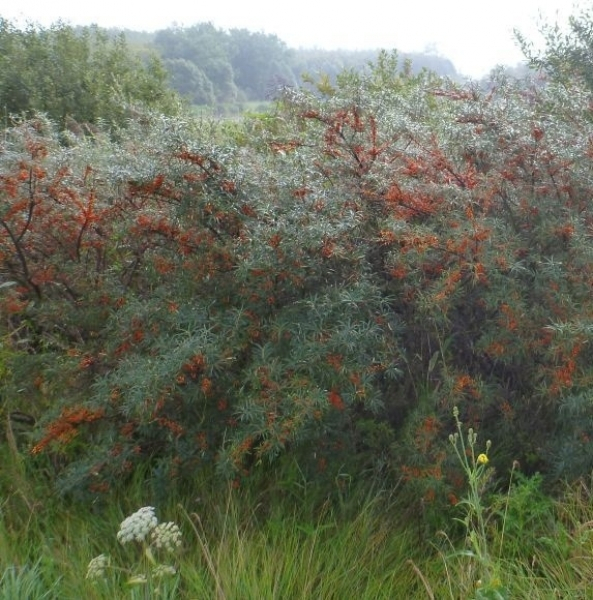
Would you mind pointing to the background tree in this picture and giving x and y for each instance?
(190, 81)
(260, 62)
(568, 50)
(84, 75)
(208, 49)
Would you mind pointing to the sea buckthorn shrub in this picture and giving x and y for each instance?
(187, 299)
(475, 203)
(322, 283)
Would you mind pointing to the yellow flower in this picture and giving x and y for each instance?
(482, 459)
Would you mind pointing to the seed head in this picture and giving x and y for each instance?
(97, 566)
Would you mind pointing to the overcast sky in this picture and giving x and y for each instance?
(475, 34)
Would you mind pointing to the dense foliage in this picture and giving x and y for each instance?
(76, 77)
(320, 284)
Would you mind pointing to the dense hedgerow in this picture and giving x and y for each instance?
(324, 283)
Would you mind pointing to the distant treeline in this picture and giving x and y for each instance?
(91, 75)
(208, 65)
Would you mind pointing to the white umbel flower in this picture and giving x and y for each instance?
(136, 527)
(166, 536)
(97, 566)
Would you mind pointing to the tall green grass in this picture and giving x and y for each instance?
(229, 552)
(291, 542)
